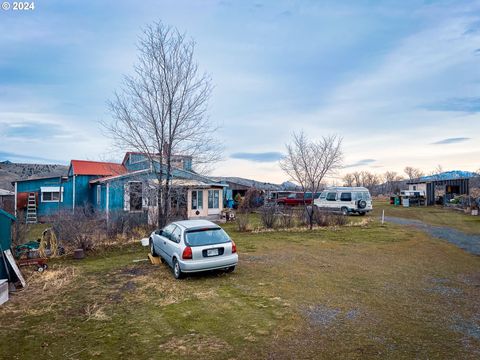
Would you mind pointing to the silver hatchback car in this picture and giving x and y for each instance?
(194, 245)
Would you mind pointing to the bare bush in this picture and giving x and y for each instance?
(325, 218)
(268, 215)
(287, 218)
(79, 230)
(127, 224)
(243, 221)
(19, 230)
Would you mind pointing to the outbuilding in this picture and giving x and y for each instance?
(6, 221)
(441, 188)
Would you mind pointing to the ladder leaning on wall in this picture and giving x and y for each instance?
(31, 209)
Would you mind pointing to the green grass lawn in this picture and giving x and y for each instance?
(357, 292)
(433, 215)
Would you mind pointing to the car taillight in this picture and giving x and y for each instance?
(234, 247)
(187, 253)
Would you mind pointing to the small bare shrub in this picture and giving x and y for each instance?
(321, 217)
(338, 220)
(128, 224)
(19, 230)
(287, 218)
(243, 221)
(268, 216)
(325, 218)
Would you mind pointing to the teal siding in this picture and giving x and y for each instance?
(6, 221)
(137, 162)
(47, 208)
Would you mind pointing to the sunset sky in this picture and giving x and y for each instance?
(399, 81)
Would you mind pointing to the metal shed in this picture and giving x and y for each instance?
(448, 184)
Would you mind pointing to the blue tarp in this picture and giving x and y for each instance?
(449, 175)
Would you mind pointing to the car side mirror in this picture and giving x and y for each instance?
(159, 232)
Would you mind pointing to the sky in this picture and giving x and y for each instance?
(399, 81)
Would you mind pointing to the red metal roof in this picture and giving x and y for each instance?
(84, 167)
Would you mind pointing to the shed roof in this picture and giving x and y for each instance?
(8, 215)
(447, 175)
(84, 167)
(4, 192)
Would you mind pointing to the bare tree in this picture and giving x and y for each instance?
(391, 181)
(413, 173)
(161, 109)
(308, 162)
(348, 179)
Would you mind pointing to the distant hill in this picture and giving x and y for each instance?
(10, 171)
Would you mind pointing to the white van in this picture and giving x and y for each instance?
(348, 200)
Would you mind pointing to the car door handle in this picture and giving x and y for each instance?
(164, 243)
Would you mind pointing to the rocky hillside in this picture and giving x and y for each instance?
(12, 171)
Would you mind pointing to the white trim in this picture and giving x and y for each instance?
(51, 189)
(99, 194)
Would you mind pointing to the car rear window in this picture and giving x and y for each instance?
(346, 196)
(363, 195)
(202, 237)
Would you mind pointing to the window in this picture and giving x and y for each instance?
(168, 231)
(99, 194)
(323, 196)
(176, 234)
(363, 195)
(414, 187)
(331, 196)
(197, 199)
(135, 196)
(346, 197)
(213, 199)
(204, 237)
(51, 194)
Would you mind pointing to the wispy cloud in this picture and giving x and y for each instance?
(5, 155)
(467, 104)
(258, 157)
(453, 140)
(362, 162)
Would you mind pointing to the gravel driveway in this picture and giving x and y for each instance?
(467, 242)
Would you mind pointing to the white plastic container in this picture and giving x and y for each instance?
(3, 291)
(145, 241)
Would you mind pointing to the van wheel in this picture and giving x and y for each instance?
(177, 272)
(230, 269)
(344, 211)
(362, 213)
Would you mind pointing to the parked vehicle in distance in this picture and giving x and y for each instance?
(297, 198)
(348, 200)
(194, 245)
(275, 196)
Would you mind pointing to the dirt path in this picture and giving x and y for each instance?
(467, 242)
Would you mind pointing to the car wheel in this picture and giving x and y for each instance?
(344, 211)
(177, 272)
(230, 269)
(152, 249)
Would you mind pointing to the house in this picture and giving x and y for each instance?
(7, 201)
(441, 188)
(112, 189)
